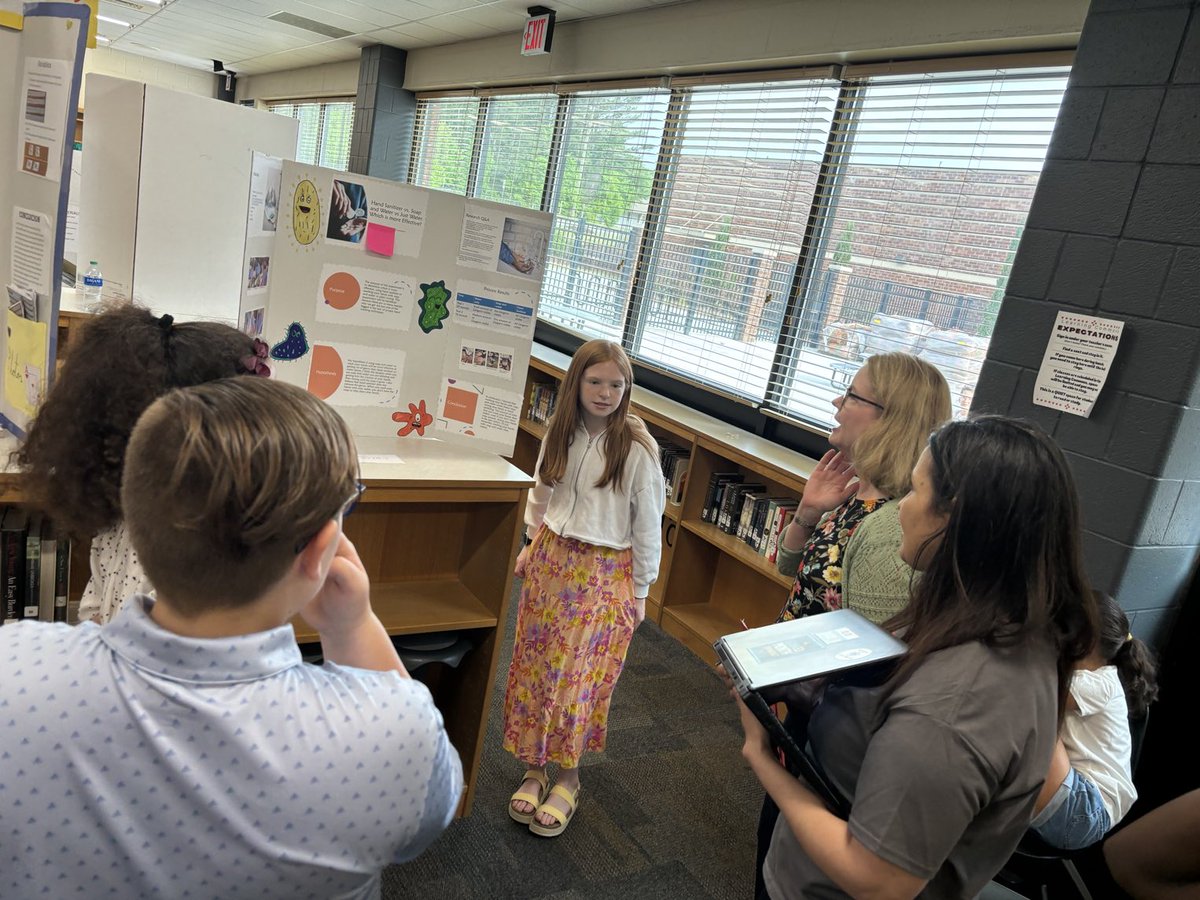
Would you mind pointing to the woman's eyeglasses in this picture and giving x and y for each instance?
(850, 395)
(343, 511)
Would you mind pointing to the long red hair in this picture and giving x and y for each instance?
(623, 428)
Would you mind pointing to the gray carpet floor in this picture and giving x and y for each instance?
(667, 811)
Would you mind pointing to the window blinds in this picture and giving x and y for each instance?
(515, 149)
(601, 190)
(326, 127)
(445, 142)
(740, 169)
(930, 181)
(763, 237)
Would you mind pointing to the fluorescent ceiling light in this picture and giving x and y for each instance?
(114, 21)
(101, 37)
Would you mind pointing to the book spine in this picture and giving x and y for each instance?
(754, 533)
(731, 494)
(679, 479)
(46, 578)
(12, 547)
(62, 578)
(33, 571)
(785, 517)
(710, 497)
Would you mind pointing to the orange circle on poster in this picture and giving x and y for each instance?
(324, 372)
(341, 290)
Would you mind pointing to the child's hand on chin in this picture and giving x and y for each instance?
(344, 600)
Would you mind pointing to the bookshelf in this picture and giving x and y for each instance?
(437, 533)
(710, 582)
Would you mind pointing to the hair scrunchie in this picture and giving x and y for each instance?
(165, 322)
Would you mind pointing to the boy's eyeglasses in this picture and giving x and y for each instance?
(351, 503)
(850, 395)
(343, 511)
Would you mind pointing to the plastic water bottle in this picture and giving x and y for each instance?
(93, 285)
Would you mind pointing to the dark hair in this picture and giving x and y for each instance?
(252, 469)
(1008, 566)
(117, 365)
(1135, 664)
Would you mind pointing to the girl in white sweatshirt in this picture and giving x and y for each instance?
(594, 522)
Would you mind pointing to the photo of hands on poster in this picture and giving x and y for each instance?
(522, 249)
(502, 243)
(347, 212)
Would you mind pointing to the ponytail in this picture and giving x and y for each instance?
(1138, 673)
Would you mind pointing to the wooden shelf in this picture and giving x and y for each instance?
(674, 511)
(418, 607)
(739, 550)
(697, 625)
(537, 429)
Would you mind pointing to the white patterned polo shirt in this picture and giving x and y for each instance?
(138, 763)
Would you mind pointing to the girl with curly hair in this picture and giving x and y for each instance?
(120, 362)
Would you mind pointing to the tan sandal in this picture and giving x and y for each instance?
(562, 818)
(534, 800)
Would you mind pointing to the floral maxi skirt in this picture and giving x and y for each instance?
(574, 624)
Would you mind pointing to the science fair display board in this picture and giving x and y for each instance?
(41, 65)
(411, 311)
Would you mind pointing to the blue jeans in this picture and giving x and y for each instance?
(1075, 817)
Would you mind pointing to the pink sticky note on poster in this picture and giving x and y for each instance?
(381, 239)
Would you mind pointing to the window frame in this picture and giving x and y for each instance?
(321, 102)
(760, 417)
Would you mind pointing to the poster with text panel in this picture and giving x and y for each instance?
(373, 295)
(43, 63)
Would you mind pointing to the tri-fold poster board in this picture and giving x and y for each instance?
(411, 311)
(41, 64)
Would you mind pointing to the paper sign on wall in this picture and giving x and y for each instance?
(1076, 363)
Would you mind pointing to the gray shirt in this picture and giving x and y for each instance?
(943, 773)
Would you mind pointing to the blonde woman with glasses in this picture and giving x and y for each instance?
(882, 423)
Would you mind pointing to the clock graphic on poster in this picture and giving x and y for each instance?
(306, 212)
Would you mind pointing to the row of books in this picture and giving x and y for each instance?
(541, 401)
(35, 567)
(747, 511)
(675, 461)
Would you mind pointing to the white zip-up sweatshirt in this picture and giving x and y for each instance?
(630, 516)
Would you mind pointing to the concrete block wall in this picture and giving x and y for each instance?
(1114, 231)
(384, 115)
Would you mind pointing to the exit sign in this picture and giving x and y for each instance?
(539, 31)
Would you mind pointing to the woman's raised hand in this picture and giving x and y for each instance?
(831, 484)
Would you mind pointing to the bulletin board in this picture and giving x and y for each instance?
(411, 311)
(37, 127)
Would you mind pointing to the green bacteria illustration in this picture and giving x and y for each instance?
(435, 305)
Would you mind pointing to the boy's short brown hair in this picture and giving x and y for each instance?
(222, 483)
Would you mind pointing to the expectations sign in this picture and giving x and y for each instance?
(1076, 363)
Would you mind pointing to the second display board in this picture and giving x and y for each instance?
(409, 310)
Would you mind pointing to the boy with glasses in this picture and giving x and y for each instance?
(206, 759)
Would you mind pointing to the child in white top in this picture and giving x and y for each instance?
(121, 361)
(595, 517)
(1089, 788)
